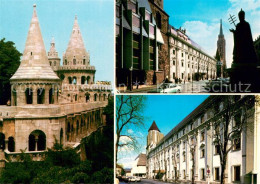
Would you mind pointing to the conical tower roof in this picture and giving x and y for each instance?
(76, 48)
(154, 127)
(34, 64)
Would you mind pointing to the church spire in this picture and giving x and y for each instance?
(76, 52)
(221, 30)
(34, 64)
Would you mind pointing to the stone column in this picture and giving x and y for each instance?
(46, 95)
(35, 96)
(55, 94)
(6, 144)
(36, 143)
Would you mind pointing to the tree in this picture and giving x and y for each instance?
(9, 63)
(192, 142)
(230, 120)
(129, 112)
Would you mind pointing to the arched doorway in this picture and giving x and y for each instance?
(2, 141)
(29, 96)
(70, 80)
(11, 144)
(37, 141)
(83, 79)
(40, 96)
(51, 96)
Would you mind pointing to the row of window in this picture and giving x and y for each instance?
(74, 61)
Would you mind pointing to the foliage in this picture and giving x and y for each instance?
(159, 175)
(129, 112)
(9, 63)
(109, 111)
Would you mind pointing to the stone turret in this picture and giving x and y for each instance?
(76, 67)
(33, 82)
(154, 136)
(76, 53)
(53, 56)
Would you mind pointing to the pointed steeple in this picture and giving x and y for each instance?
(34, 64)
(221, 30)
(76, 49)
(53, 53)
(154, 127)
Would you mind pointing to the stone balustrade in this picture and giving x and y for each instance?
(16, 156)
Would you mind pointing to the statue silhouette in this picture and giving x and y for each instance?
(244, 51)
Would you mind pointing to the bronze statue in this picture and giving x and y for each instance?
(244, 51)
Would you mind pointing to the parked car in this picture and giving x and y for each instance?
(134, 178)
(169, 88)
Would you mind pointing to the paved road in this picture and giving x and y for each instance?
(146, 181)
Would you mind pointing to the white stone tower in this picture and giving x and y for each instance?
(34, 81)
(154, 136)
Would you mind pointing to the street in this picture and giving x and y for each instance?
(146, 181)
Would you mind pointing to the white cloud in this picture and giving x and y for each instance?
(206, 33)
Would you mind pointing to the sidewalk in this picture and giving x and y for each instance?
(141, 88)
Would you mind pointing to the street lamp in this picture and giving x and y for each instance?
(131, 78)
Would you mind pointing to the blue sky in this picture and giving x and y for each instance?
(167, 111)
(56, 18)
(201, 20)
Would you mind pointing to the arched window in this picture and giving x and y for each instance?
(29, 95)
(74, 61)
(68, 131)
(70, 80)
(2, 141)
(11, 144)
(104, 97)
(54, 63)
(37, 141)
(40, 96)
(74, 80)
(158, 20)
(83, 79)
(76, 97)
(84, 61)
(51, 96)
(87, 97)
(62, 77)
(50, 62)
(99, 99)
(66, 62)
(95, 97)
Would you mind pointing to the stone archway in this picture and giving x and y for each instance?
(37, 141)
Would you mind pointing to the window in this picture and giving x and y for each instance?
(191, 126)
(237, 144)
(236, 174)
(173, 62)
(173, 51)
(202, 153)
(182, 54)
(84, 61)
(66, 62)
(202, 136)
(182, 63)
(216, 174)
(29, 95)
(40, 96)
(74, 61)
(202, 174)
(184, 156)
(217, 149)
(184, 174)
(173, 75)
(158, 20)
(183, 132)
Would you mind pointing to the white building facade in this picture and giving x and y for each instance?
(172, 155)
(187, 60)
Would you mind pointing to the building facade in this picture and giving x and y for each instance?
(137, 41)
(187, 60)
(46, 108)
(172, 154)
(139, 166)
